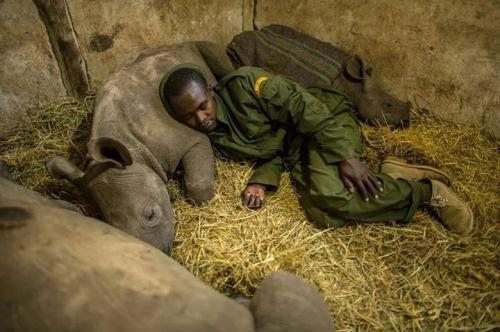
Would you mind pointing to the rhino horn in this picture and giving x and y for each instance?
(108, 150)
(61, 168)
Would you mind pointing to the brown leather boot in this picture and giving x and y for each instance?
(454, 213)
(400, 169)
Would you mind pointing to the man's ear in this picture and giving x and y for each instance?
(108, 150)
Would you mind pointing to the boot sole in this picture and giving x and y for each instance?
(403, 163)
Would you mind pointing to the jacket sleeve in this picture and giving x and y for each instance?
(289, 103)
(268, 173)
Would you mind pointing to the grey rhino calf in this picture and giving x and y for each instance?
(312, 63)
(135, 146)
(62, 271)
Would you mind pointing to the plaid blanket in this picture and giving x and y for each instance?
(311, 63)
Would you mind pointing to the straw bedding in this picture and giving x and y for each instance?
(384, 277)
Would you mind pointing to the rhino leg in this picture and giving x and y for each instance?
(285, 302)
(61, 168)
(199, 172)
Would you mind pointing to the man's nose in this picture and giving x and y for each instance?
(200, 117)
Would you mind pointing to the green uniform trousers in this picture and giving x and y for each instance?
(327, 201)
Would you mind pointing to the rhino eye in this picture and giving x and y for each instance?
(387, 105)
(151, 216)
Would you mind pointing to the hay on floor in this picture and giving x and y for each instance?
(60, 128)
(383, 277)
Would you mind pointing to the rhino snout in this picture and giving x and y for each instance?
(136, 201)
(397, 105)
(395, 113)
(156, 226)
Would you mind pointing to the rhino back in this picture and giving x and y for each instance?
(10, 190)
(61, 271)
(128, 106)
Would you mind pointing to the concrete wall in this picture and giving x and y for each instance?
(109, 33)
(112, 33)
(29, 73)
(444, 55)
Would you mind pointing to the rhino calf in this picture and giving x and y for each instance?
(130, 197)
(135, 146)
(62, 271)
(312, 63)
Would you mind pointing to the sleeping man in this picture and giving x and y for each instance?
(257, 116)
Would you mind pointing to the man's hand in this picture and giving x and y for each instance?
(356, 175)
(254, 196)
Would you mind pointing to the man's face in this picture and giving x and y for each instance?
(195, 107)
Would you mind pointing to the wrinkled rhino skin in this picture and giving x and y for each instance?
(62, 271)
(135, 146)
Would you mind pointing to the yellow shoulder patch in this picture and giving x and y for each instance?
(258, 84)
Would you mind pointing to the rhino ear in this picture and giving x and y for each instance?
(13, 216)
(61, 168)
(354, 69)
(108, 150)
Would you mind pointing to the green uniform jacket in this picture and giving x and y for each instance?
(269, 118)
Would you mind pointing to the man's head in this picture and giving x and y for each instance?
(186, 95)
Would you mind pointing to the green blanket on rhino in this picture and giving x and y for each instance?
(313, 63)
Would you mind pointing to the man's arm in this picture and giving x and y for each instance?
(265, 178)
(268, 173)
(281, 100)
(287, 102)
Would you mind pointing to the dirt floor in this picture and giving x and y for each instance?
(383, 277)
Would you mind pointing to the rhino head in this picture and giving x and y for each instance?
(129, 193)
(368, 97)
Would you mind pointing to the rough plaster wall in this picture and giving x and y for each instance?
(28, 70)
(445, 55)
(112, 33)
